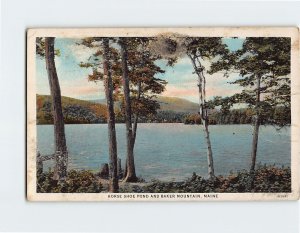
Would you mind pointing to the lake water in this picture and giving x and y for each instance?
(171, 151)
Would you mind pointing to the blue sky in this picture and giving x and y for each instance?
(181, 80)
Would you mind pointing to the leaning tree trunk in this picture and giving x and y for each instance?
(203, 112)
(255, 130)
(61, 158)
(108, 84)
(130, 167)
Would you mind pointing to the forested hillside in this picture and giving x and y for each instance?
(172, 110)
(75, 111)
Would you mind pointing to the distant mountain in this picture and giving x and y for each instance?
(75, 111)
(173, 110)
(78, 111)
(174, 104)
(177, 104)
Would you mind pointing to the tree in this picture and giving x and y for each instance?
(105, 73)
(108, 84)
(134, 65)
(196, 49)
(143, 85)
(45, 48)
(130, 167)
(263, 65)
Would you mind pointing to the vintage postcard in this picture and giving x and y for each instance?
(163, 114)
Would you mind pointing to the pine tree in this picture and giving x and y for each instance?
(263, 65)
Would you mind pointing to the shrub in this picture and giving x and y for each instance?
(268, 179)
(76, 182)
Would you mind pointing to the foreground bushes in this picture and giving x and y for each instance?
(267, 179)
(76, 182)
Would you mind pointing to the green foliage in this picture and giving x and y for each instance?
(76, 182)
(142, 71)
(166, 117)
(192, 119)
(268, 179)
(235, 116)
(144, 86)
(242, 116)
(206, 47)
(263, 65)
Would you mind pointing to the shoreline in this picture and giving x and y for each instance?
(267, 179)
(119, 123)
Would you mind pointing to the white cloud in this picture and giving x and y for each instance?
(84, 90)
(216, 85)
(81, 52)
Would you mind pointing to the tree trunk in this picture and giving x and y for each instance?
(130, 169)
(108, 84)
(104, 171)
(135, 123)
(120, 170)
(204, 120)
(39, 164)
(254, 144)
(210, 162)
(136, 115)
(204, 114)
(256, 129)
(61, 159)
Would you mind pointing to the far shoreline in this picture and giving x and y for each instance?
(119, 123)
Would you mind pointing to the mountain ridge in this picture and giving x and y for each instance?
(167, 103)
(77, 111)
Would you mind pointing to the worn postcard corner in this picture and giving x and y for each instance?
(163, 114)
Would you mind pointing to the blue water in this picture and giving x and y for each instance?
(171, 151)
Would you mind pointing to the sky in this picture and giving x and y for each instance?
(182, 82)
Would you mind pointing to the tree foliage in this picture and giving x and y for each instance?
(266, 58)
(144, 83)
(40, 47)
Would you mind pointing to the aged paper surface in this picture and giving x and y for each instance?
(214, 114)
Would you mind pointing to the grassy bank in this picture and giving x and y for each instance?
(267, 179)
